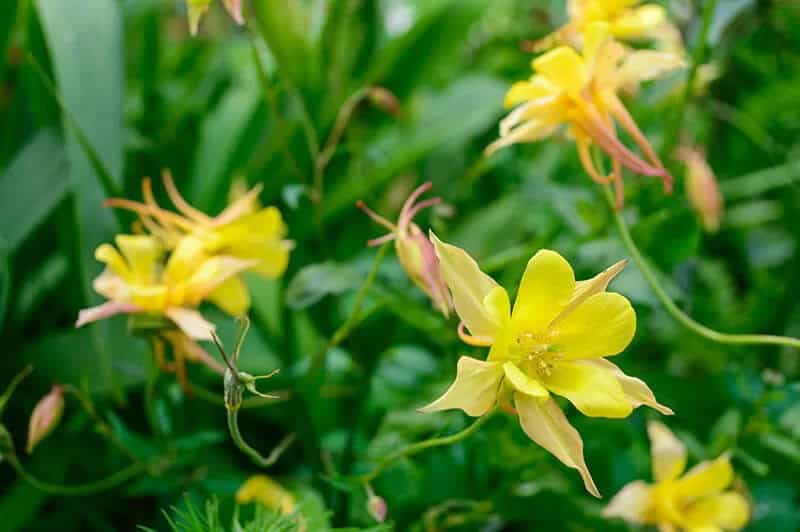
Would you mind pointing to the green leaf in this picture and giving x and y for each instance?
(37, 180)
(316, 281)
(85, 43)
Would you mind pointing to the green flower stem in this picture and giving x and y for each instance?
(233, 428)
(672, 308)
(355, 317)
(698, 56)
(415, 448)
(101, 485)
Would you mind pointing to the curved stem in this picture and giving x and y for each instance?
(233, 428)
(415, 448)
(104, 484)
(670, 305)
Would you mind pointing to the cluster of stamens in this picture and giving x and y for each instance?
(534, 352)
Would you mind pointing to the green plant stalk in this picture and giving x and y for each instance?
(261, 461)
(670, 306)
(105, 484)
(698, 56)
(415, 448)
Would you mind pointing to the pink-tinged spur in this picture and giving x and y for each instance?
(198, 8)
(554, 341)
(580, 91)
(696, 501)
(414, 251)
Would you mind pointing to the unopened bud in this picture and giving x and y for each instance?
(384, 100)
(702, 190)
(376, 506)
(45, 417)
(196, 8)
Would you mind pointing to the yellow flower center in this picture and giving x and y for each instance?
(534, 352)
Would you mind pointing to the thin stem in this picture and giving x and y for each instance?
(415, 448)
(698, 56)
(105, 484)
(339, 126)
(233, 428)
(346, 328)
(670, 305)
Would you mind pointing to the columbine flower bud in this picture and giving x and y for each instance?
(376, 505)
(45, 417)
(384, 100)
(414, 251)
(702, 190)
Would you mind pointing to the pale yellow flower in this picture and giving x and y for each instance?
(265, 491)
(553, 342)
(136, 280)
(628, 20)
(697, 501)
(242, 230)
(580, 91)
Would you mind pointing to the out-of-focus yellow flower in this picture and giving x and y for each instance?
(581, 91)
(702, 190)
(198, 8)
(136, 281)
(267, 492)
(414, 250)
(243, 230)
(553, 342)
(696, 501)
(628, 20)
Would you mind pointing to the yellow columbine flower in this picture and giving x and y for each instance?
(414, 251)
(136, 281)
(268, 493)
(627, 20)
(198, 8)
(696, 501)
(553, 342)
(581, 91)
(242, 230)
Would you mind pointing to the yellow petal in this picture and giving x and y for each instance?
(151, 298)
(545, 423)
(603, 325)
(639, 22)
(593, 390)
(636, 390)
(111, 286)
(108, 254)
(594, 37)
(469, 287)
(522, 91)
(631, 503)
(272, 257)
(595, 285)
(523, 383)
(729, 511)
(707, 478)
(264, 225)
(197, 8)
(563, 67)
(231, 296)
(668, 452)
(211, 274)
(186, 258)
(530, 131)
(646, 65)
(141, 253)
(545, 290)
(264, 490)
(474, 390)
(191, 322)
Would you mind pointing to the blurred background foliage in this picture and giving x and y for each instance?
(133, 93)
